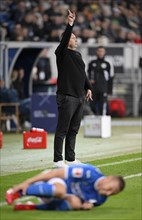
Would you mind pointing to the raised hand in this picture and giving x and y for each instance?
(71, 17)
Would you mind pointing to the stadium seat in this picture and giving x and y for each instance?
(9, 111)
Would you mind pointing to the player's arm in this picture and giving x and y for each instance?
(67, 34)
(40, 177)
(87, 205)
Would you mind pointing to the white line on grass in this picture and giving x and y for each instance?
(23, 199)
(119, 162)
(134, 175)
(27, 197)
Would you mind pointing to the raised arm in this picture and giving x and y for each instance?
(66, 35)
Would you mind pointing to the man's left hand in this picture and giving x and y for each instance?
(89, 95)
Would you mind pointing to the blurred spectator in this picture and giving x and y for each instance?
(3, 33)
(114, 28)
(18, 83)
(18, 11)
(8, 96)
(121, 36)
(44, 20)
(42, 70)
(25, 103)
(19, 33)
(87, 34)
(31, 22)
(103, 40)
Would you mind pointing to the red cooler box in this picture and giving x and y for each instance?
(35, 139)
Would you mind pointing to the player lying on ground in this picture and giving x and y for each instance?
(89, 186)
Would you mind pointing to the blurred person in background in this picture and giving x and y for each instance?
(18, 11)
(101, 74)
(8, 95)
(18, 83)
(25, 103)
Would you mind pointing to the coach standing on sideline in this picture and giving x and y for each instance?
(101, 73)
(72, 87)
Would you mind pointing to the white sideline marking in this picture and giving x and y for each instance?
(101, 165)
(119, 162)
(20, 199)
(134, 175)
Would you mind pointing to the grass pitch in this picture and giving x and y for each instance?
(124, 206)
(118, 155)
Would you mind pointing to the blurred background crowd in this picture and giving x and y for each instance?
(97, 21)
(101, 22)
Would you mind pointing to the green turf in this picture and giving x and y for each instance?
(124, 206)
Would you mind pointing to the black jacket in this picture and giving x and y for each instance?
(102, 73)
(72, 79)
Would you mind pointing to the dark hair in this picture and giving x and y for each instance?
(100, 47)
(122, 183)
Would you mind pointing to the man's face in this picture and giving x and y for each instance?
(109, 186)
(73, 42)
(100, 52)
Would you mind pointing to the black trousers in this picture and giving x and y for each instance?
(99, 105)
(70, 110)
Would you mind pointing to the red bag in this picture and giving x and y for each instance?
(117, 108)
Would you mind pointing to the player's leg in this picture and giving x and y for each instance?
(46, 189)
(28, 206)
(53, 188)
(71, 202)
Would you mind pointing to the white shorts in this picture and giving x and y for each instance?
(52, 181)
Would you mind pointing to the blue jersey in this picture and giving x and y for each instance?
(81, 181)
